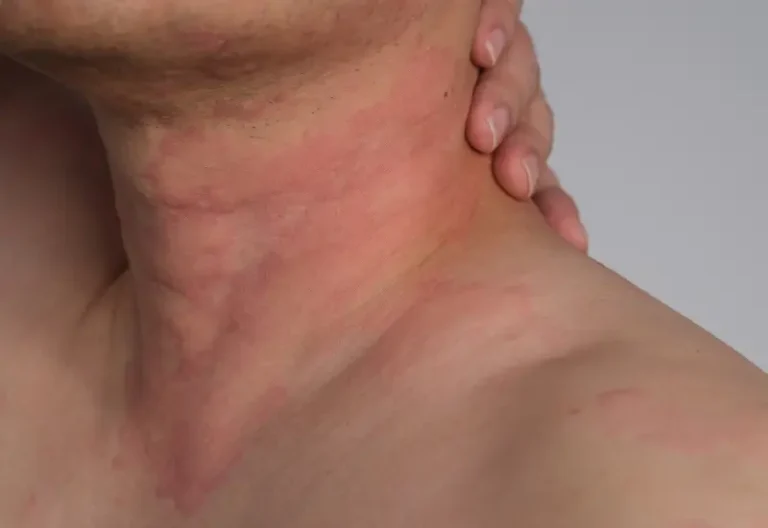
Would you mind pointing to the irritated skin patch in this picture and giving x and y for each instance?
(221, 163)
(351, 198)
(191, 453)
(660, 422)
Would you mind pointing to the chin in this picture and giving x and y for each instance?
(152, 29)
(135, 51)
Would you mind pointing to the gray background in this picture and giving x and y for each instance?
(662, 113)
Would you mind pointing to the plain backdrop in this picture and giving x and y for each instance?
(662, 114)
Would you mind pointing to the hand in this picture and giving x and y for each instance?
(511, 119)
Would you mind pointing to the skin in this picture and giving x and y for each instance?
(72, 166)
(331, 316)
(508, 87)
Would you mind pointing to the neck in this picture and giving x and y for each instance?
(254, 224)
(266, 233)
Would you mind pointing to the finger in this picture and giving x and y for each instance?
(521, 170)
(521, 159)
(503, 94)
(498, 19)
(560, 211)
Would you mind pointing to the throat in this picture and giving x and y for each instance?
(267, 252)
(249, 230)
(271, 239)
(277, 219)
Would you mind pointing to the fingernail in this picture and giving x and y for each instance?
(495, 44)
(498, 123)
(531, 167)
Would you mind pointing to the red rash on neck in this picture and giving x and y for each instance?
(247, 230)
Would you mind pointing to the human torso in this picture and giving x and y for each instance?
(559, 398)
(483, 405)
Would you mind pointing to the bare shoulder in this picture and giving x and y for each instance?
(624, 436)
(591, 404)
